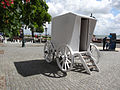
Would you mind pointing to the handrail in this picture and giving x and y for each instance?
(98, 52)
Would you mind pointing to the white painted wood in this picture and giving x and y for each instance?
(92, 24)
(83, 61)
(62, 29)
(75, 40)
(65, 58)
(49, 52)
(72, 33)
(66, 30)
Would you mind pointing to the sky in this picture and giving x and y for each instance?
(107, 13)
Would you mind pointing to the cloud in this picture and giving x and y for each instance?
(116, 4)
(101, 9)
(117, 18)
(78, 6)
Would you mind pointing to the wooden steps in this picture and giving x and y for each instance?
(88, 63)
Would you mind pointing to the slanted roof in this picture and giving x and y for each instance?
(83, 16)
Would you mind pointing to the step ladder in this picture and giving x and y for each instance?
(87, 61)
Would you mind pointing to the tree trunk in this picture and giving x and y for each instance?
(32, 33)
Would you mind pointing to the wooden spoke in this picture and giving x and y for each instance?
(48, 52)
(68, 65)
(64, 59)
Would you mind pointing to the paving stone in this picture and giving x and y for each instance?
(26, 69)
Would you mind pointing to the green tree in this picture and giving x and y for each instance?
(32, 13)
(9, 17)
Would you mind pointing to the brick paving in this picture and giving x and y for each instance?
(26, 69)
(2, 83)
(1, 45)
(1, 51)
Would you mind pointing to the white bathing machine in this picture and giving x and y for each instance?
(71, 35)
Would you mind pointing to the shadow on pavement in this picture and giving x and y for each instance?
(35, 67)
(78, 67)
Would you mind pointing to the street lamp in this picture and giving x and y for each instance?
(46, 26)
(45, 34)
(23, 39)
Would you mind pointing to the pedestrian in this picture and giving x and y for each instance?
(104, 42)
(110, 44)
(35, 36)
(107, 45)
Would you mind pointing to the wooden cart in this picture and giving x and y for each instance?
(70, 39)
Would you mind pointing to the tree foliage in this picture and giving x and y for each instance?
(15, 13)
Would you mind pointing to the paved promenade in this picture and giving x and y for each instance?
(26, 69)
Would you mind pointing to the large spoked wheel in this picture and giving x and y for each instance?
(95, 52)
(65, 58)
(48, 52)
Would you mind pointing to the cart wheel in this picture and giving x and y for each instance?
(64, 58)
(48, 52)
(95, 52)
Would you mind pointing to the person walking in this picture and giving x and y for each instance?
(104, 42)
(107, 45)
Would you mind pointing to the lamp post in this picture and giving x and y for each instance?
(45, 34)
(46, 27)
(23, 39)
